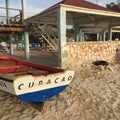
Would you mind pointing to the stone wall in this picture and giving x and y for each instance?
(76, 53)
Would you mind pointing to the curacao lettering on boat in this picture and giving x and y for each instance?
(48, 82)
(2, 84)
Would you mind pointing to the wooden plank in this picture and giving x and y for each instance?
(90, 11)
(10, 8)
(13, 29)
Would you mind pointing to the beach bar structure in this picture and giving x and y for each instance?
(85, 17)
(10, 24)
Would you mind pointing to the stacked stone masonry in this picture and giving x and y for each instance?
(87, 52)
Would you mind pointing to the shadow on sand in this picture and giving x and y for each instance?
(37, 105)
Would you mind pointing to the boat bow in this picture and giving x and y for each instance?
(40, 88)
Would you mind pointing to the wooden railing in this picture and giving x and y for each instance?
(17, 19)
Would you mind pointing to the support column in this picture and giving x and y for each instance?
(76, 34)
(26, 34)
(27, 50)
(97, 36)
(11, 44)
(100, 34)
(24, 8)
(104, 35)
(61, 19)
(7, 11)
(81, 35)
(110, 33)
(7, 22)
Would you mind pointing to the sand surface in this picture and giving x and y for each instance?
(94, 94)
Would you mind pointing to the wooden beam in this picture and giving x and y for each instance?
(90, 11)
(13, 29)
(91, 17)
(10, 8)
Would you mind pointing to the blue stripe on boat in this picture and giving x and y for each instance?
(41, 96)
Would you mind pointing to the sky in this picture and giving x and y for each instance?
(36, 6)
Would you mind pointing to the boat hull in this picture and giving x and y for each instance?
(32, 82)
(30, 88)
(41, 96)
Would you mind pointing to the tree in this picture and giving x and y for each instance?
(3, 37)
(70, 33)
(110, 5)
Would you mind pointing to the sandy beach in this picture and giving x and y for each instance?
(61, 33)
(94, 94)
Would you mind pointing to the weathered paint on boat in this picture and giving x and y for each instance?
(41, 96)
(39, 89)
(31, 87)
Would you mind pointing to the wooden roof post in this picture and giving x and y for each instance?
(104, 35)
(27, 50)
(81, 35)
(61, 23)
(110, 33)
(97, 36)
(7, 11)
(24, 8)
(11, 45)
(76, 33)
(26, 34)
(101, 36)
(7, 22)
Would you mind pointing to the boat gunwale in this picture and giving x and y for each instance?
(20, 63)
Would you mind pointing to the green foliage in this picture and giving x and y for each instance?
(17, 35)
(110, 5)
(4, 37)
(70, 33)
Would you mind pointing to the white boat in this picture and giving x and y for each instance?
(32, 82)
